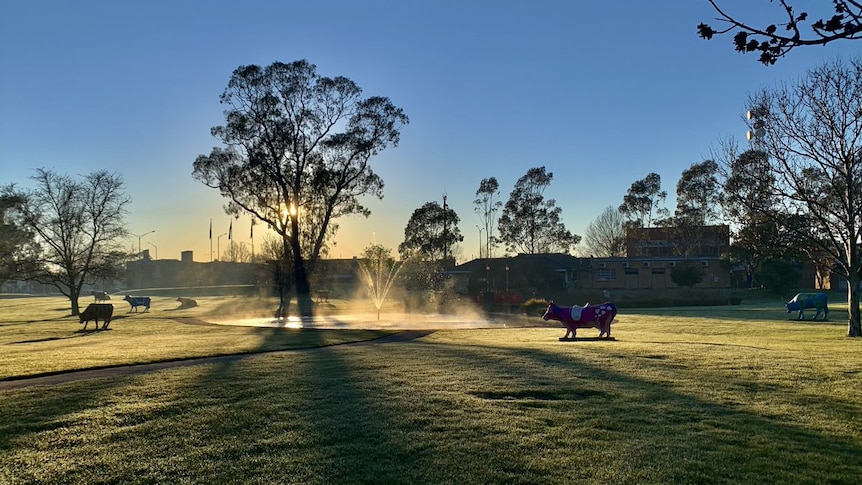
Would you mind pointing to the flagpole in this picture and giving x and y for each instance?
(251, 235)
(230, 240)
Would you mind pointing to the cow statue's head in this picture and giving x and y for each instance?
(551, 313)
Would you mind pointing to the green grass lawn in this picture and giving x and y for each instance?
(696, 395)
(38, 336)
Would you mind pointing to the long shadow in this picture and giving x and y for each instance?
(26, 413)
(334, 405)
(710, 425)
(340, 417)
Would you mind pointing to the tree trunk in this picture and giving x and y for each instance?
(303, 290)
(74, 294)
(853, 327)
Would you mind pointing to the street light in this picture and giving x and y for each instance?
(488, 276)
(480, 239)
(139, 236)
(507, 278)
(218, 244)
(154, 247)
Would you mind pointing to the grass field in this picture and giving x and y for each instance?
(736, 394)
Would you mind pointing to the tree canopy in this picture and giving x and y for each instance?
(79, 226)
(487, 204)
(641, 202)
(297, 154)
(16, 242)
(789, 29)
(605, 236)
(698, 194)
(431, 233)
(811, 178)
(529, 222)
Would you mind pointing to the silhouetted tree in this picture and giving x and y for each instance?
(687, 276)
(779, 275)
(431, 233)
(16, 242)
(789, 31)
(605, 236)
(812, 132)
(698, 194)
(642, 200)
(79, 226)
(530, 223)
(487, 204)
(297, 155)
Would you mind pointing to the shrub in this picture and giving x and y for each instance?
(535, 306)
(686, 276)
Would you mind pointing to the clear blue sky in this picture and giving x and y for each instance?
(601, 93)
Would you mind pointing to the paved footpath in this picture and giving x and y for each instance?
(80, 375)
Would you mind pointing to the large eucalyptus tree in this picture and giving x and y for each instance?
(297, 154)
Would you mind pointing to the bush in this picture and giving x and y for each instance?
(535, 306)
(686, 276)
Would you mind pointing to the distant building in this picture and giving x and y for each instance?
(663, 242)
(532, 273)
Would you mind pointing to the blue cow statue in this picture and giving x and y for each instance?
(136, 301)
(808, 300)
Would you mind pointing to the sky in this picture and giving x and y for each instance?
(599, 93)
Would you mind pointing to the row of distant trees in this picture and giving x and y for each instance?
(528, 223)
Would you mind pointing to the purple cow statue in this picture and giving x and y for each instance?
(588, 316)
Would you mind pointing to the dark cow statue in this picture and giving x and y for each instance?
(136, 301)
(802, 301)
(589, 316)
(186, 303)
(96, 312)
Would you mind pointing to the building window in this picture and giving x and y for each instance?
(606, 274)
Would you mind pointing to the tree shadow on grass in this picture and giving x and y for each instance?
(449, 413)
(669, 436)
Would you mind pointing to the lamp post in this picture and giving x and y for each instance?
(507, 278)
(154, 247)
(480, 239)
(218, 245)
(488, 276)
(139, 236)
